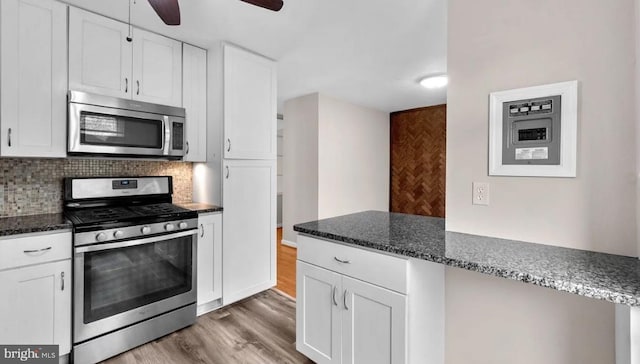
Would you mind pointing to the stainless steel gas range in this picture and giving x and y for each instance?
(134, 263)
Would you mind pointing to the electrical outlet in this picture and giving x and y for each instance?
(480, 193)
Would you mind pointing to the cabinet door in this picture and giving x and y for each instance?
(373, 324)
(318, 293)
(34, 78)
(194, 96)
(157, 69)
(209, 258)
(249, 105)
(249, 228)
(99, 55)
(36, 305)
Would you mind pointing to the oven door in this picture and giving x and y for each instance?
(105, 131)
(121, 283)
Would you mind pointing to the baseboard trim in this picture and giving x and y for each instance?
(289, 243)
(209, 307)
(236, 296)
(283, 294)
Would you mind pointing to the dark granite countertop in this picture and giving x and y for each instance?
(613, 278)
(33, 224)
(200, 207)
(50, 222)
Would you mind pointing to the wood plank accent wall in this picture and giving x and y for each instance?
(418, 164)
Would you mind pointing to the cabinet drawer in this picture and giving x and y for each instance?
(34, 249)
(376, 268)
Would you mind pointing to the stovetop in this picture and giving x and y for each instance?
(135, 214)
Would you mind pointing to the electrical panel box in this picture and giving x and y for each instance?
(531, 131)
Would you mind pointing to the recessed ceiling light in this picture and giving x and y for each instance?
(434, 81)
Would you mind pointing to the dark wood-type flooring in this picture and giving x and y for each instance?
(259, 329)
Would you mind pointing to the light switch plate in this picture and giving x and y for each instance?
(480, 193)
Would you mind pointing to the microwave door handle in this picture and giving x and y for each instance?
(166, 140)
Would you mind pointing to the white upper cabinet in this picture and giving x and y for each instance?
(157, 68)
(33, 70)
(104, 62)
(194, 77)
(99, 55)
(249, 105)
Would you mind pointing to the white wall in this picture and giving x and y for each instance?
(353, 158)
(497, 45)
(593, 211)
(491, 320)
(336, 158)
(300, 150)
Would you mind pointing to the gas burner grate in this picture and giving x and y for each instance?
(104, 214)
(158, 209)
(97, 215)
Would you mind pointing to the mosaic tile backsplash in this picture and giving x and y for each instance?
(34, 186)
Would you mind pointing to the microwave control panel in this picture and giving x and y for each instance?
(178, 135)
(531, 131)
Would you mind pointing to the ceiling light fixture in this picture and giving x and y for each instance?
(434, 81)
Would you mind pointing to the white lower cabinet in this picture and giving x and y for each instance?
(249, 231)
(318, 313)
(356, 306)
(36, 304)
(373, 324)
(345, 320)
(209, 262)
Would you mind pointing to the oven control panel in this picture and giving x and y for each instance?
(124, 184)
(135, 231)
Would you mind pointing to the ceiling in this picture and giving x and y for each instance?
(368, 52)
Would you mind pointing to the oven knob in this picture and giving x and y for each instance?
(169, 227)
(118, 234)
(101, 237)
(145, 230)
(182, 225)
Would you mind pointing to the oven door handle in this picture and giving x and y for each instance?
(129, 243)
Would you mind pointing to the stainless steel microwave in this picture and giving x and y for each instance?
(112, 127)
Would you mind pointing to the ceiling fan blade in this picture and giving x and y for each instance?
(167, 10)
(274, 5)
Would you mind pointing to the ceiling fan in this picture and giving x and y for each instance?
(169, 10)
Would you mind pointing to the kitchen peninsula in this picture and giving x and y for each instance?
(590, 274)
